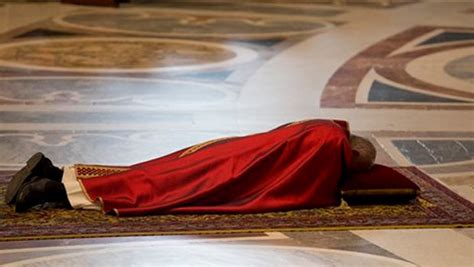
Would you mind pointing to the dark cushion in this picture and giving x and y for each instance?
(379, 185)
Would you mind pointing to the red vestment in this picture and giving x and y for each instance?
(295, 166)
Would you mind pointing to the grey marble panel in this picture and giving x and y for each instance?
(192, 24)
(44, 33)
(424, 152)
(449, 36)
(91, 117)
(245, 7)
(387, 93)
(116, 148)
(109, 91)
(462, 68)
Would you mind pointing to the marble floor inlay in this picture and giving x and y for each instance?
(421, 66)
(135, 55)
(111, 91)
(174, 23)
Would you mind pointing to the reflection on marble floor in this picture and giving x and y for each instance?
(111, 91)
(101, 147)
(118, 86)
(222, 255)
(272, 248)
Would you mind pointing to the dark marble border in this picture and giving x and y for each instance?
(341, 89)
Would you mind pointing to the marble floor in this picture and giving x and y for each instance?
(104, 85)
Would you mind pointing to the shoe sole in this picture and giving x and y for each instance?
(23, 176)
(19, 203)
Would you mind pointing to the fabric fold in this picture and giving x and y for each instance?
(295, 166)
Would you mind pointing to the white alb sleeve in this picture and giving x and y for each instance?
(77, 198)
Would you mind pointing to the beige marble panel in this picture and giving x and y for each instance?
(430, 247)
(14, 15)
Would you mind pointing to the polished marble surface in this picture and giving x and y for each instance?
(136, 55)
(195, 23)
(440, 246)
(429, 152)
(270, 249)
(112, 91)
(118, 86)
(247, 7)
(210, 255)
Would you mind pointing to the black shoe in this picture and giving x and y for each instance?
(39, 191)
(37, 165)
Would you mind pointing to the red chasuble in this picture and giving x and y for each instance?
(295, 166)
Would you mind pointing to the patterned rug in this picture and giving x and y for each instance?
(437, 206)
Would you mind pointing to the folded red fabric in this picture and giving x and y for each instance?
(295, 166)
(379, 185)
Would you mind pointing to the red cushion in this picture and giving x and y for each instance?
(379, 185)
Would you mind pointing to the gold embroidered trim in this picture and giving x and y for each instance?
(84, 171)
(297, 122)
(197, 147)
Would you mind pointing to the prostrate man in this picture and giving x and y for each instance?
(295, 166)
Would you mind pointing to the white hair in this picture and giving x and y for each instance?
(366, 153)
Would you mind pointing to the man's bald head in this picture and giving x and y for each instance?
(363, 154)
